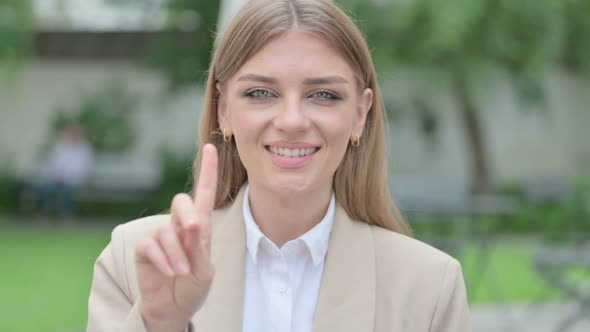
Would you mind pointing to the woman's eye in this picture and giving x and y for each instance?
(325, 95)
(259, 93)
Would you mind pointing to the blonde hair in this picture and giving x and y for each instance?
(360, 182)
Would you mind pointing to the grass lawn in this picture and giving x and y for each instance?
(46, 276)
(508, 277)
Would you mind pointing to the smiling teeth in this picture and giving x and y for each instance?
(292, 152)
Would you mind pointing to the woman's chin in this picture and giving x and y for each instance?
(290, 185)
(289, 188)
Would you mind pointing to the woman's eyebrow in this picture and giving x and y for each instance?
(308, 81)
(325, 80)
(258, 78)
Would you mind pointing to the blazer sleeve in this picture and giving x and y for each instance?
(452, 309)
(110, 305)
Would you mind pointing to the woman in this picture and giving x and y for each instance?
(291, 226)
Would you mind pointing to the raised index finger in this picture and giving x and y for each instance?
(206, 186)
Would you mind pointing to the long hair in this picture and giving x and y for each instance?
(360, 182)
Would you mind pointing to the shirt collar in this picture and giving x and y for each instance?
(316, 239)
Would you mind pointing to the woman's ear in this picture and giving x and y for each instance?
(221, 107)
(363, 108)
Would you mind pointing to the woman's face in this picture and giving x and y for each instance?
(292, 109)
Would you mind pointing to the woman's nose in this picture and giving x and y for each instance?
(291, 116)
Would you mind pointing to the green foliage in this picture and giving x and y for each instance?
(16, 22)
(7, 206)
(176, 178)
(185, 62)
(524, 37)
(576, 53)
(16, 33)
(107, 118)
(519, 34)
(558, 220)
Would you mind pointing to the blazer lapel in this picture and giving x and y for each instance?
(347, 295)
(223, 309)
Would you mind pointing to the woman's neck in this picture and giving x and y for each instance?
(286, 216)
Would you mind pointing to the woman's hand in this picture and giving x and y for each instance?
(174, 265)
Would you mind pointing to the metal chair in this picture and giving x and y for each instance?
(573, 251)
(552, 265)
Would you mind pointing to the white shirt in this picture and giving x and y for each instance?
(281, 286)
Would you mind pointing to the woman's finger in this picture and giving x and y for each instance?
(182, 210)
(170, 243)
(198, 252)
(190, 235)
(206, 190)
(149, 251)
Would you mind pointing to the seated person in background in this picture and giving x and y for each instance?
(68, 165)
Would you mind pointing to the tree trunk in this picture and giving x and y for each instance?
(480, 170)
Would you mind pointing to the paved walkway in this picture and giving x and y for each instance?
(523, 318)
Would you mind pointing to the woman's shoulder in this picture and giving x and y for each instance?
(394, 250)
(137, 229)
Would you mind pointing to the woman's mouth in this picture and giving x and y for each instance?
(286, 152)
(291, 157)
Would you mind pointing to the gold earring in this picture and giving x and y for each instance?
(226, 136)
(355, 141)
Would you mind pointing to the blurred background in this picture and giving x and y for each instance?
(488, 114)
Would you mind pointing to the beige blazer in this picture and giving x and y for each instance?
(374, 280)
